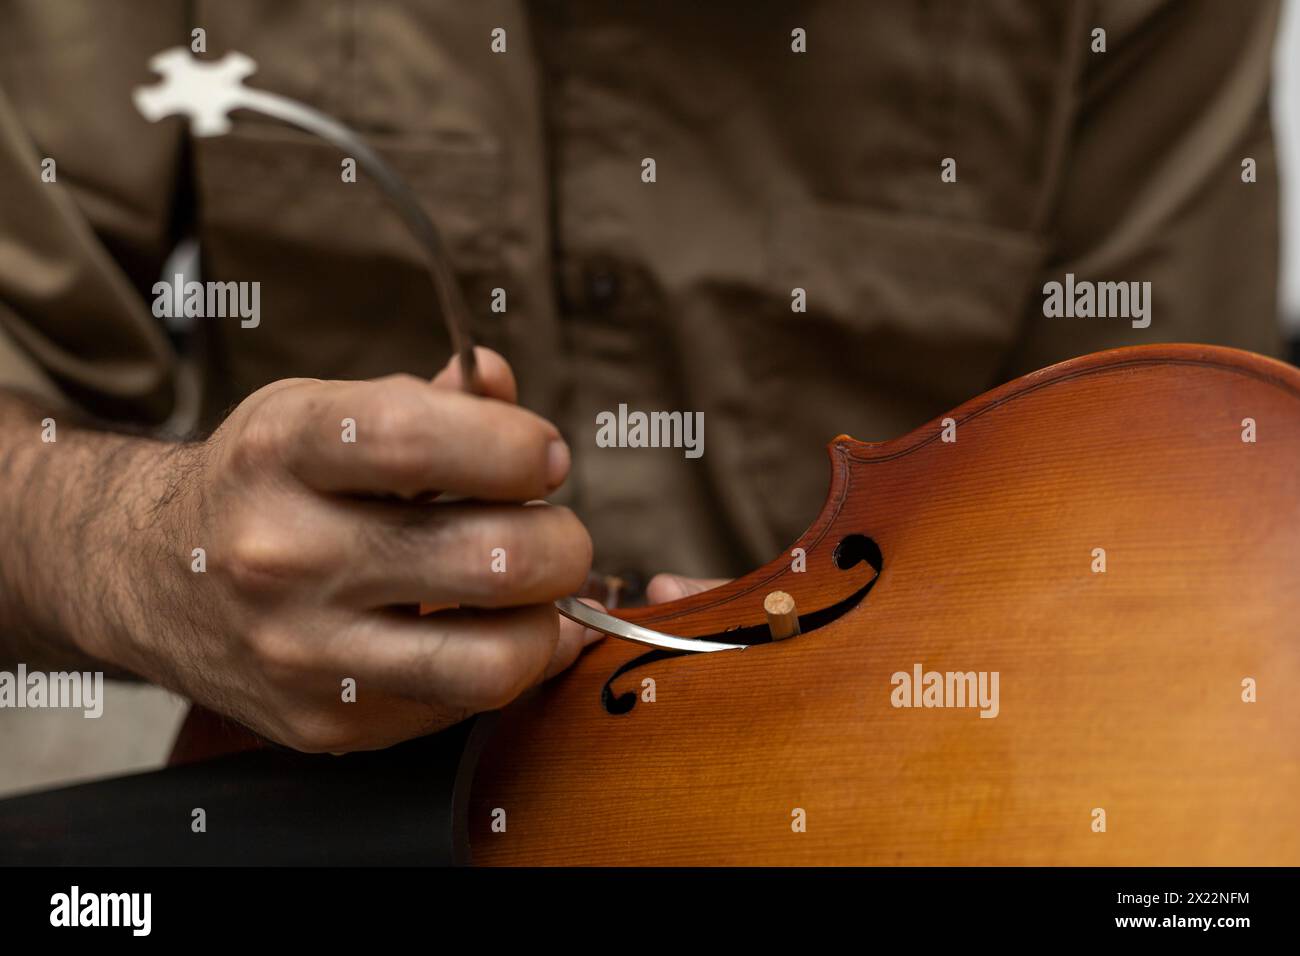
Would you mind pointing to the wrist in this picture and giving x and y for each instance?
(134, 550)
(84, 512)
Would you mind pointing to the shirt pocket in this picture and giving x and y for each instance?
(344, 289)
(919, 278)
(906, 317)
(292, 184)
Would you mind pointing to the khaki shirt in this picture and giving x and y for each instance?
(775, 170)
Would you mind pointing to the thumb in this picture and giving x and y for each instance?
(672, 587)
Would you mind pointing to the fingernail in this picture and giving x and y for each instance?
(557, 463)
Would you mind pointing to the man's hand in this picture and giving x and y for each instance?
(317, 551)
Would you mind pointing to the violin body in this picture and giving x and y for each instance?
(1058, 626)
(1116, 538)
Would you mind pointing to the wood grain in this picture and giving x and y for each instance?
(1119, 690)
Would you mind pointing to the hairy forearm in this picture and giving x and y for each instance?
(79, 514)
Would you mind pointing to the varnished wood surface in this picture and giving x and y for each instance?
(1120, 691)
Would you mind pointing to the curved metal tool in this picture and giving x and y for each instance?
(207, 91)
(588, 616)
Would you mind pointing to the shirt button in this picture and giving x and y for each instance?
(601, 285)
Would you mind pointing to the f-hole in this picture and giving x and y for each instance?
(858, 547)
(852, 550)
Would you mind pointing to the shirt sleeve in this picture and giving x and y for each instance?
(86, 189)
